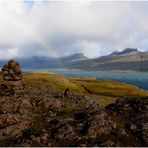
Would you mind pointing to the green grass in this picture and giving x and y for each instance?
(54, 82)
(48, 83)
(110, 88)
(102, 91)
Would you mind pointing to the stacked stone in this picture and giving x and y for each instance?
(12, 109)
(12, 76)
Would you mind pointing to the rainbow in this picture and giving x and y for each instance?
(35, 34)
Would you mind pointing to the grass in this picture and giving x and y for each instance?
(51, 82)
(42, 84)
(110, 88)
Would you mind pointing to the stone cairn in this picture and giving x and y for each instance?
(12, 78)
(15, 106)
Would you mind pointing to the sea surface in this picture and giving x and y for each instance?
(140, 79)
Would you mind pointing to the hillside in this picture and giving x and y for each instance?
(124, 60)
(54, 110)
(59, 82)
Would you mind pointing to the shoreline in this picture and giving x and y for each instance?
(83, 70)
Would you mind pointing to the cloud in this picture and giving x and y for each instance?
(8, 53)
(50, 28)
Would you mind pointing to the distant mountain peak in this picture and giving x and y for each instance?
(115, 52)
(79, 54)
(130, 49)
(75, 57)
(126, 51)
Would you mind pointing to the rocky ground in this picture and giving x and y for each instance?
(70, 119)
(44, 113)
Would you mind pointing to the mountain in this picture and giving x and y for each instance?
(127, 51)
(47, 62)
(128, 59)
(74, 57)
(114, 53)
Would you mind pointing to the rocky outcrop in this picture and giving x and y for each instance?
(123, 123)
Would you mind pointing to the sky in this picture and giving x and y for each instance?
(61, 28)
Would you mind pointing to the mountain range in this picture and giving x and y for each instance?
(128, 59)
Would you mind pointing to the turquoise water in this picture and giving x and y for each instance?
(139, 79)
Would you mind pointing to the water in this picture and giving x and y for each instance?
(139, 79)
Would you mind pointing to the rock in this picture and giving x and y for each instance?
(100, 125)
(14, 131)
(122, 134)
(12, 105)
(45, 137)
(83, 145)
(8, 119)
(145, 133)
(49, 145)
(91, 108)
(66, 92)
(14, 117)
(94, 122)
(133, 127)
(25, 106)
(134, 115)
(12, 78)
(62, 131)
(15, 107)
(108, 143)
(52, 103)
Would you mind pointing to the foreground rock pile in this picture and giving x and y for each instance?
(14, 111)
(72, 120)
(12, 78)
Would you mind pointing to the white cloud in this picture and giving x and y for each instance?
(62, 28)
(6, 53)
(89, 48)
